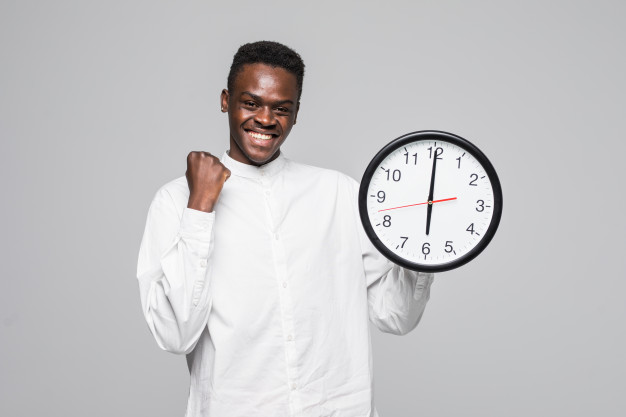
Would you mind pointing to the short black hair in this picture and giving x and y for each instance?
(269, 53)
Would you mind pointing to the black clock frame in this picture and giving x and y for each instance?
(431, 135)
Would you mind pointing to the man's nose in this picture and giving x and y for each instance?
(265, 116)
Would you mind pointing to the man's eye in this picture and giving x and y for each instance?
(249, 103)
(283, 109)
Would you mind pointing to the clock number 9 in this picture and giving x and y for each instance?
(381, 196)
(387, 221)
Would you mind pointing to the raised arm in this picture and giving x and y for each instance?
(174, 265)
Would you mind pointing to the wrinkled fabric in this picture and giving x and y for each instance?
(270, 296)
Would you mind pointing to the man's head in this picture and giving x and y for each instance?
(273, 54)
(262, 100)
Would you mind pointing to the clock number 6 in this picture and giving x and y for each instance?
(426, 248)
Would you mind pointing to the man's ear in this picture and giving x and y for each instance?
(295, 118)
(224, 100)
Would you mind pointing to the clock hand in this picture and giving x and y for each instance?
(429, 210)
(418, 204)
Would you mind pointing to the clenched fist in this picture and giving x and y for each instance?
(206, 176)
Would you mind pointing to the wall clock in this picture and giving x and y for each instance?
(430, 201)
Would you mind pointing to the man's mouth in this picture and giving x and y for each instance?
(260, 136)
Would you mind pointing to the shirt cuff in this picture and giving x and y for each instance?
(422, 285)
(196, 223)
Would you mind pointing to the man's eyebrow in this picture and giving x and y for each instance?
(257, 98)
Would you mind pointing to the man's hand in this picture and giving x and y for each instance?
(206, 176)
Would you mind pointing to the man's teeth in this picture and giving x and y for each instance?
(262, 136)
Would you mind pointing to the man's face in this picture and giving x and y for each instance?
(262, 109)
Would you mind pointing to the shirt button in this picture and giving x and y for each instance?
(203, 263)
(290, 338)
(284, 284)
(293, 386)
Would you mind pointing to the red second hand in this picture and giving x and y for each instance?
(419, 204)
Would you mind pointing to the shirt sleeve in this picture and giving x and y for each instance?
(173, 271)
(396, 296)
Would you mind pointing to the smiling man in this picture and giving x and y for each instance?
(258, 269)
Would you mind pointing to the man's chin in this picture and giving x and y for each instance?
(246, 152)
(261, 158)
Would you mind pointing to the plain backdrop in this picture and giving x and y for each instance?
(100, 102)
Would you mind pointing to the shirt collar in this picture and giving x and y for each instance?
(251, 171)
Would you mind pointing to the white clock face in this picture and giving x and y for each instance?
(399, 199)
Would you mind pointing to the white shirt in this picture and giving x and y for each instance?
(269, 295)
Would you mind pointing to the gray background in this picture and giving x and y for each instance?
(100, 102)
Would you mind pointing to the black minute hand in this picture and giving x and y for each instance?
(429, 209)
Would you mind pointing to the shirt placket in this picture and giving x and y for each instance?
(285, 297)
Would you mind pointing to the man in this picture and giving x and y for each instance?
(266, 281)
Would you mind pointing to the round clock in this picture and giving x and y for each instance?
(430, 201)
